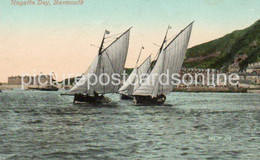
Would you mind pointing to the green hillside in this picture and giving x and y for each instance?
(241, 46)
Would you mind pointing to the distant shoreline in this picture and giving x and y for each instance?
(191, 89)
(215, 89)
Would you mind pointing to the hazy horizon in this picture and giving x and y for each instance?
(58, 39)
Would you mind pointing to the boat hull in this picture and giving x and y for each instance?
(45, 89)
(148, 100)
(126, 97)
(48, 89)
(80, 98)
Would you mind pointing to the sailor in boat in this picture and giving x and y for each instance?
(110, 60)
(169, 59)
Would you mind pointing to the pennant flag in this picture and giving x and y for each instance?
(107, 32)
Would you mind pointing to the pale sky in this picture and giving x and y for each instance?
(36, 39)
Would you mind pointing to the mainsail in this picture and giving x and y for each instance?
(169, 62)
(133, 81)
(109, 61)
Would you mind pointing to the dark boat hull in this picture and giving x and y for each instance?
(80, 98)
(148, 100)
(126, 97)
(48, 89)
(45, 89)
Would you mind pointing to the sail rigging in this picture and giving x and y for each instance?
(169, 61)
(109, 61)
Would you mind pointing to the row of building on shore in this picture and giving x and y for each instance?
(249, 80)
(30, 80)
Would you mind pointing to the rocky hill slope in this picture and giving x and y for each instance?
(236, 49)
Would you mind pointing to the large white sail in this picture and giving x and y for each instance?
(82, 85)
(134, 78)
(170, 60)
(128, 85)
(110, 61)
(142, 71)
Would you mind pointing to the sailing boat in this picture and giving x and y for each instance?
(169, 60)
(133, 81)
(109, 61)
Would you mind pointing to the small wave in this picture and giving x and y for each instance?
(35, 121)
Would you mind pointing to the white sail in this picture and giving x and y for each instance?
(141, 71)
(110, 61)
(82, 85)
(128, 85)
(150, 85)
(134, 78)
(170, 60)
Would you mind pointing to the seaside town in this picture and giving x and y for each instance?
(249, 81)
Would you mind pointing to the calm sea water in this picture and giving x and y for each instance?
(45, 125)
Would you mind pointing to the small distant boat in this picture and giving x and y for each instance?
(110, 60)
(169, 59)
(45, 88)
(133, 81)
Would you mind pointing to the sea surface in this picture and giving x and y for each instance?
(45, 125)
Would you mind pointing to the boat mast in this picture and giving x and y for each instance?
(102, 43)
(138, 60)
(99, 55)
(164, 41)
(161, 48)
(139, 56)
